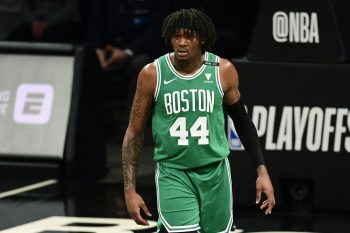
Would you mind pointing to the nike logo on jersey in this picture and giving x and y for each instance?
(169, 81)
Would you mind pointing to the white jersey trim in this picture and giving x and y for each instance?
(218, 82)
(186, 77)
(228, 167)
(159, 79)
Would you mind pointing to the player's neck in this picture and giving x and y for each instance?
(188, 67)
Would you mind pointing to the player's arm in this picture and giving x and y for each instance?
(246, 131)
(236, 110)
(133, 141)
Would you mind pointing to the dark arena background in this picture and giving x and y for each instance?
(63, 116)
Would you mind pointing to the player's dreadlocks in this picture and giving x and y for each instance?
(192, 20)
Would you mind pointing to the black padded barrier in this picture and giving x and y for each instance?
(302, 114)
(301, 31)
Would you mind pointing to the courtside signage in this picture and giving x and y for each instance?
(297, 31)
(295, 27)
(233, 139)
(33, 104)
(299, 128)
(35, 97)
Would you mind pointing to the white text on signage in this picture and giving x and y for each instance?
(295, 27)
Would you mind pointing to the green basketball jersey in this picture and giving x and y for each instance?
(187, 119)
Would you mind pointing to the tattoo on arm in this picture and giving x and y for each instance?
(131, 154)
(135, 111)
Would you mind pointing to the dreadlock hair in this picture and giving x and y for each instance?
(191, 20)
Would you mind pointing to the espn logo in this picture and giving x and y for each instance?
(33, 104)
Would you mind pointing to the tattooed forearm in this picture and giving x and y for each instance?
(135, 111)
(131, 153)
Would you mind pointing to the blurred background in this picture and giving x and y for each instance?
(68, 71)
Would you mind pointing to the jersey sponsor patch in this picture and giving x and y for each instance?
(211, 63)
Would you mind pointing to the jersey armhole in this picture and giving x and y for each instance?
(159, 80)
(218, 82)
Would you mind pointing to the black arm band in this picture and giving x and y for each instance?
(246, 131)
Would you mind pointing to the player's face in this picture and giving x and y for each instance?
(186, 45)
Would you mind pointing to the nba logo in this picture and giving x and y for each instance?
(233, 139)
(33, 104)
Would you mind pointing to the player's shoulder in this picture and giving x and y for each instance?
(227, 69)
(148, 77)
(148, 73)
(149, 70)
(226, 64)
(228, 74)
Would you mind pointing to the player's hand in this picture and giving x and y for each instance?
(117, 56)
(264, 185)
(135, 204)
(101, 55)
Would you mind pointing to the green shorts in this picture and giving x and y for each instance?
(196, 199)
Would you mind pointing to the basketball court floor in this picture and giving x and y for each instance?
(36, 204)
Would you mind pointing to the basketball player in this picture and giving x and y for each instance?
(184, 92)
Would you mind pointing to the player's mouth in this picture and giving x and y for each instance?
(182, 52)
